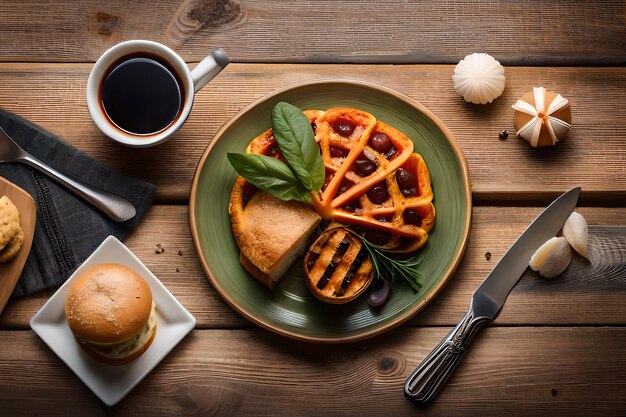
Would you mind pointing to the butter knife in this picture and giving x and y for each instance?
(425, 382)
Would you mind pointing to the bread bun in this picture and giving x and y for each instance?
(109, 309)
(270, 233)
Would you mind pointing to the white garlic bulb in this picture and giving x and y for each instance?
(552, 258)
(479, 78)
(576, 232)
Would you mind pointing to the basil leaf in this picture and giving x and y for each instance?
(296, 141)
(270, 175)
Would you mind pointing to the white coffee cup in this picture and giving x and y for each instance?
(190, 83)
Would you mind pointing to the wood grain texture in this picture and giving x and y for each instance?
(586, 293)
(226, 366)
(507, 371)
(356, 31)
(592, 156)
(10, 271)
(574, 298)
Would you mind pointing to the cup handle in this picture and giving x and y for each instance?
(208, 68)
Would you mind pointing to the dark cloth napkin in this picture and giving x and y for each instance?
(68, 228)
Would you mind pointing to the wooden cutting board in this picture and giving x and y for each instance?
(10, 271)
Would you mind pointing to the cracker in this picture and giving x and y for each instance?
(9, 221)
(13, 247)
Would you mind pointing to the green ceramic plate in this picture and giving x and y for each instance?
(290, 309)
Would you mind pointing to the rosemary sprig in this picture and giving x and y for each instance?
(388, 267)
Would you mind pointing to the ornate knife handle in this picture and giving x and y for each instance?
(425, 382)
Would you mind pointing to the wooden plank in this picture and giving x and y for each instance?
(574, 298)
(507, 371)
(592, 156)
(586, 293)
(356, 31)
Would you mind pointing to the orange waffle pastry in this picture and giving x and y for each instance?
(374, 180)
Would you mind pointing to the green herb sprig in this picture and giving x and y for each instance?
(303, 171)
(391, 268)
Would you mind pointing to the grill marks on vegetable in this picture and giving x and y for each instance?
(358, 261)
(334, 263)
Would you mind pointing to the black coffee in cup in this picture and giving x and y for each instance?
(141, 95)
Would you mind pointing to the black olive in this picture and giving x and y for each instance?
(378, 193)
(406, 182)
(364, 166)
(379, 293)
(412, 217)
(351, 206)
(344, 127)
(380, 142)
(336, 152)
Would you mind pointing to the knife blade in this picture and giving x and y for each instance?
(425, 382)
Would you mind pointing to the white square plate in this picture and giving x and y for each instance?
(112, 383)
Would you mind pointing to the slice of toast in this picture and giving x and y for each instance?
(270, 233)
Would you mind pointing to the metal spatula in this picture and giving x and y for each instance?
(114, 206)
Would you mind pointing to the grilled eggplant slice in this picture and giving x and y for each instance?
(337, 267)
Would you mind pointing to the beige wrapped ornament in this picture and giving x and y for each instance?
(542, 117)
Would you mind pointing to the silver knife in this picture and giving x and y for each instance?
(425, 382)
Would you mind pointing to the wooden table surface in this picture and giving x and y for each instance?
(557, 348)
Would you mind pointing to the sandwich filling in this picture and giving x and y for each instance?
(129, 347)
